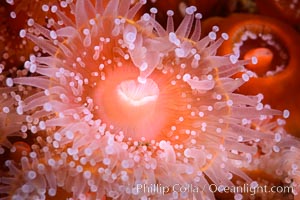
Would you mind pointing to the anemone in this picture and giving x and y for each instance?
(276, 52)
(115, 102)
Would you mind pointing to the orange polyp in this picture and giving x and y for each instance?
(264, 59)
(281, 90)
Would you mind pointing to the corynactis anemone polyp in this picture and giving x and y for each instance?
(275, 44)
(117, 103)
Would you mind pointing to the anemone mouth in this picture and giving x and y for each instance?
(131, 106)
(138, 94)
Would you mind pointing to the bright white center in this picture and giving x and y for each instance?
(138, 94)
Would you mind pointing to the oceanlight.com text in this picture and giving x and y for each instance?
(251, 189)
